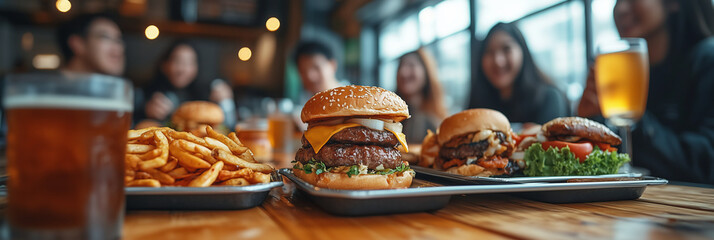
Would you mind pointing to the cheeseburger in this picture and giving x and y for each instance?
(475, 142)
(352, 140)
(194, 116)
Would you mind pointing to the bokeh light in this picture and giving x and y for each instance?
(151, 32)
(244, 54)
(63, 5)
(272, 24)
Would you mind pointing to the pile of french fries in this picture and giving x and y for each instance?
(158, 157)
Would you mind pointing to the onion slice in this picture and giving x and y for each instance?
(370, 123)
(393, 126)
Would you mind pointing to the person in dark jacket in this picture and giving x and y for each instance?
(509, 81)
(176, 82)
(675, 137)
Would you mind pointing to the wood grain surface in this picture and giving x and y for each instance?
(663, 212)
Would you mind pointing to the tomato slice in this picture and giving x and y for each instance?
(519, 138)
(605, 147)
(581, 150)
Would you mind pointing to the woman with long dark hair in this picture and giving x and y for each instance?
(508, 80)
(675, 137)
(176, 81)
(418, 84)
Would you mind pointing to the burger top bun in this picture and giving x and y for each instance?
(198, 112)
(472, 120)
(355, 100)
(581, 127)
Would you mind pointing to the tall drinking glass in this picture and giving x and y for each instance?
(622, 79)
(67, 139)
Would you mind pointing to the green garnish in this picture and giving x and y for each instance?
(354, 170)
(319, 168)
(562, 162)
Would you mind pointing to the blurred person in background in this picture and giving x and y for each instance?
(176, 82)
(92, 43)
(317, 67)
(418, 84)
(675, 137)
(509, 81)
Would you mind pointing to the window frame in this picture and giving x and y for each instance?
(472, 28)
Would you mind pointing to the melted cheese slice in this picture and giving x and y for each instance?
(319, 135)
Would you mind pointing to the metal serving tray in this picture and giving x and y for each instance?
(426, 196)
(501, 180)
(199, 198)
(417, 198)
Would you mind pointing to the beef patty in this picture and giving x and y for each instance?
(361, 136)
(463, 148)
(350, 154)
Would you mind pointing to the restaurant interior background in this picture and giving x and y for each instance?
(368, 37)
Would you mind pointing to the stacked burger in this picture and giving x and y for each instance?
(571, 146)
(353, 139)
(194, 116)
(474, 142)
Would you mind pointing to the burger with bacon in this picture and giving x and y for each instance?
(570, 146)
(474, 142)
(353, 139)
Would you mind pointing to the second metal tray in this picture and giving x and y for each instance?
(425, 196)
(506, 180)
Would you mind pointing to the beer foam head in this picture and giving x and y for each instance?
(68, 102)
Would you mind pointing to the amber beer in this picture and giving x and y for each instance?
(622, 82)
(66, 165)
(280, 130)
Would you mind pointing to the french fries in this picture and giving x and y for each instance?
(138, 148)
(235, 160)
(236, 182)
(185, 158)
(208, 177)
(158, 157)
(144, 183)
(232, 146)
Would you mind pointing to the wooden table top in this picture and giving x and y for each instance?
(663, 212)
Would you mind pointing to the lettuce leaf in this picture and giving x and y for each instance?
(317, 167)
(554, 162)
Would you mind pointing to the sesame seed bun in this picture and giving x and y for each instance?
(196, 115)
(472, 120)
(350, 101)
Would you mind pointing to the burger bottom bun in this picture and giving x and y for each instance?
(468, 170)
(475, 170)
(359, 182)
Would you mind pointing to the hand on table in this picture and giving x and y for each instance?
(221, 91)
(589, 103)
(159, 106)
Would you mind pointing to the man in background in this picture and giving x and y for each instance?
(92, 43)
(317, 67)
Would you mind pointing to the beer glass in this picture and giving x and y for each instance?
(280, 126)
(67, 137)
(622, 80)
